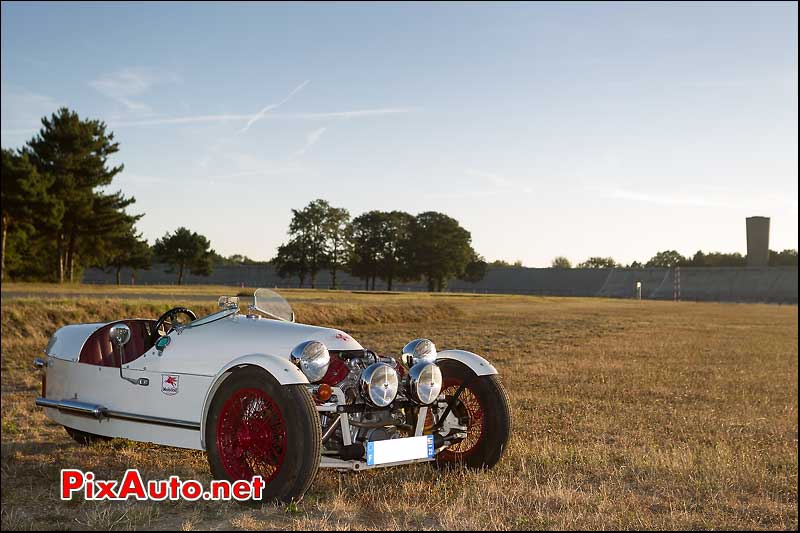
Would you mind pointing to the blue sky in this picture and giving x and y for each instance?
(546, 129)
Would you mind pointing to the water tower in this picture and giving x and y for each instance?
(757, 241)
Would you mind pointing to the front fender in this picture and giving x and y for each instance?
(475, 362)
(280, 368)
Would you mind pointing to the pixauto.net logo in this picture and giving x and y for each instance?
(132, 486)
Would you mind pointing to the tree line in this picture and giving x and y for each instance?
(390, 246)
(671, 258)
(59, 218)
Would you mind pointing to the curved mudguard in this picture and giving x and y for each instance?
(475, 362)
(279, 367)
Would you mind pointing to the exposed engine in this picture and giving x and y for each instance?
(370, 423)
(362, 397)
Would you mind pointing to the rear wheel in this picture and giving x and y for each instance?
(83, 438)
(483, 409)
(257, 427)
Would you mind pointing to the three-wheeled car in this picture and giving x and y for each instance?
(266, 396)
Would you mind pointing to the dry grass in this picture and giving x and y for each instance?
(626, 415)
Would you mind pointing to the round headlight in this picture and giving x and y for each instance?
(379, 384)
(418, 351)
(425, 383)
(313, 359)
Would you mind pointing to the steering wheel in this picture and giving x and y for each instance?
(171, 315)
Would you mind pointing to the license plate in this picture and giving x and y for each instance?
(394, 450)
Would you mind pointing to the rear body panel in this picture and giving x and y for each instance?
(102, 386)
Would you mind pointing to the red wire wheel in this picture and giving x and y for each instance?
(251, 435)
(257, 427)
(469, 409)
(483, 409)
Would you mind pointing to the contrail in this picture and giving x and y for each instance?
(358, 113)
(258, 116)
(311, 140)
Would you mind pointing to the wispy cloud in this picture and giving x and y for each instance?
(195, 119)
(493, 179)
(127, 85)
(665, 199)
(347, 114)
(22, 109)
(698, 198)
(488, 184)
(311, 140)
(244, 166)
(498, 183)
(258, 116)
(234, 117)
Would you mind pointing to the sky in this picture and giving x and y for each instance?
(545, 129)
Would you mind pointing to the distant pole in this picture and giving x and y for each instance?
(676, 284)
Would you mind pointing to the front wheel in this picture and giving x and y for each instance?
(483, 410)
(257, 427)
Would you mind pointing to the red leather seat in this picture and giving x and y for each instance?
(91, 353)
(107, 349)
(135, 346)
(98, 350)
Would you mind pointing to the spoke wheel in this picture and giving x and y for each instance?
(483, 409)
(257, 427)
(251, 435)
(470, 414)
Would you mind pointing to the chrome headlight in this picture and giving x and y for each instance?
(418, 351)
(424, 383)
(379, 384)
(313, 359)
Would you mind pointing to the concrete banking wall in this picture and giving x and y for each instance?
(734, 284)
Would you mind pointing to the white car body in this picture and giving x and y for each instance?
(175, 386)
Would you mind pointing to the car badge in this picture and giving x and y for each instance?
(169, 384)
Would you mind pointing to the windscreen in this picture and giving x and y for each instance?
(272, 304)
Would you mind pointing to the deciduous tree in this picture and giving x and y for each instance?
(667, 259)
(440, 249)
(394, 255)
(560, 262)
(127, 249)
(309, 226)
(598, 262)
(337, 228)
(291, 260)
(475, 269)
(184, 250)
(367, 246)
(786, 257)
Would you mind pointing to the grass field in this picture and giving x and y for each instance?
(627, 415)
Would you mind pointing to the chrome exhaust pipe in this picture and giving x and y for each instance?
(72, 407)
(99, 412)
